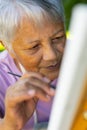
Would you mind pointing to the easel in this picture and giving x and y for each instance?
(71, 93)
(80, 121)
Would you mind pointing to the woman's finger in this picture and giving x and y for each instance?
(43, 85)
(25, 95)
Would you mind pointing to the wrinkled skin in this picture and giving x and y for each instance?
(40, 52)
(22, 97)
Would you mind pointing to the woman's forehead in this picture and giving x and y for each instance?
(29, 29)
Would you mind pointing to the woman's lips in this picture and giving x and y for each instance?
(53, 67)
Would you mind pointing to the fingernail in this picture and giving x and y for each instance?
(48, 97)
(52, 91)
(46, 80)
(31, 92)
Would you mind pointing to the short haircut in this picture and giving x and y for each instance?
(12, 13)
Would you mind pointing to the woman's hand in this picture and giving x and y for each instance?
(21, 99)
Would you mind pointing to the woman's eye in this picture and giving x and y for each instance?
(57, 39)
(34, 47)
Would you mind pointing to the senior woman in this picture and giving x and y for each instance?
(32, 31)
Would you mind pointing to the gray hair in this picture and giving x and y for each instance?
(12, 13)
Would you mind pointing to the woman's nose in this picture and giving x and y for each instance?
(49, 53)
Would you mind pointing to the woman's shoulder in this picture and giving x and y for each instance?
(7, 65)
(3, 55)
(5, 61)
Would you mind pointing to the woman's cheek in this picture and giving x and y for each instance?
(32, 62)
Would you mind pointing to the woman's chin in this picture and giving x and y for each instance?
(52, 76)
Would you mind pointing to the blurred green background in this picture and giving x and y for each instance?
(68, 5)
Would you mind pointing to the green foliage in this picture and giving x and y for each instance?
(68, 5)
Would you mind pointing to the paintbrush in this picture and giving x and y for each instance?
(17, 75)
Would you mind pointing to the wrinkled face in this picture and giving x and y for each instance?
(40, 50)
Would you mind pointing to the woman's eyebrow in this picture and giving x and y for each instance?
(57, 32)
(51, 36)
(33, 41)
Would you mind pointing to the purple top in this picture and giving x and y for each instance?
(7, 65)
